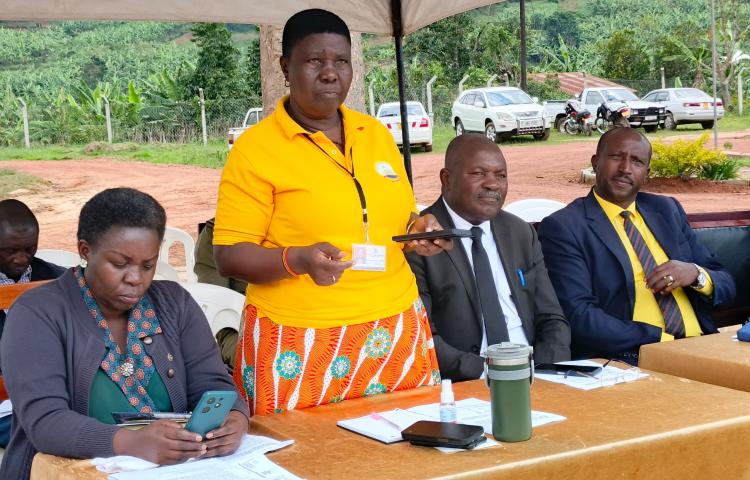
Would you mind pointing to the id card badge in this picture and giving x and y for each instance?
(368, 257)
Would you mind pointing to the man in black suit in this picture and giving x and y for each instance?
(19, 236)
(626, 265)
(494, 286)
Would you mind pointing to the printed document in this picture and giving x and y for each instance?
(608, 376)
(248, 462)
(387, 426)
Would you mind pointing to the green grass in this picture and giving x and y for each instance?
(442, 135)
(11, 180)
(213, 156)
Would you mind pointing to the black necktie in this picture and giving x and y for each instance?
(492, 314)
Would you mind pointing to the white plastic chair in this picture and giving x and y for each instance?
(175, 235)
(533, 209)
(223, 307)
(62, 258)
(165, 271)
(66, 259)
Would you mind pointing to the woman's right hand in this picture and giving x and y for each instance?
(322, 261)
(162, 442)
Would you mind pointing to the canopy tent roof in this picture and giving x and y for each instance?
(371, 16)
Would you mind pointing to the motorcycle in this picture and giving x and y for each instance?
(610, 115)
(576, 120)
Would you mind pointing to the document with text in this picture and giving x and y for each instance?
(248, 462)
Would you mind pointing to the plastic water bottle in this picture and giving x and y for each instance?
(447, 403)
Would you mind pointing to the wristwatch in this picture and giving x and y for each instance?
(701, 281)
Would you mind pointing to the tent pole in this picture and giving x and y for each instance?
(397, 34)
(522, 62)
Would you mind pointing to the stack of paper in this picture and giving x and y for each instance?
(248, 462)
(383, 426)
(386, 426)
(608, 376)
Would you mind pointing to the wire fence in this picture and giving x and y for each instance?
(60, 122)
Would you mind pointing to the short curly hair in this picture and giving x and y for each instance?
(308, 22)
(120, 207)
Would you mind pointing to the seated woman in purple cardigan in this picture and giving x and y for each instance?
(104, 338)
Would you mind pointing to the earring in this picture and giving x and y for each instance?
(84, 263)
(286, 83)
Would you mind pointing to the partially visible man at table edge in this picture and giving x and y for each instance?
(205, 269)
(470, 305)
(19, 238)
(626, 265)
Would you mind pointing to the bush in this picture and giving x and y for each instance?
(725, 170)
(686, 159)
(549, 90)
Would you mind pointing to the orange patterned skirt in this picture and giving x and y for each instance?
(282, 368)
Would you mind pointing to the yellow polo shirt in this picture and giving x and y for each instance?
(646, 307)
(284, 187)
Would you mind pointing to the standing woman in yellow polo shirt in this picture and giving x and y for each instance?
(308, 202)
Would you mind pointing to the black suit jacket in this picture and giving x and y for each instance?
(591, 271)
(448, 289)
(40, 270)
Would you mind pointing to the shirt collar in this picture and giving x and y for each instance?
(25, 277)
(292, 128)
(464, 224)
(613, 211)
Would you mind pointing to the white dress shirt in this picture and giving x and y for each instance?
(512, 319)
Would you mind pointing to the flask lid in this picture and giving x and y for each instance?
(508, 353)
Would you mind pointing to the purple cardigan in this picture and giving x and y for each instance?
(51, 348)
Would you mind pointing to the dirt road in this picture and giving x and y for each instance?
(189, 193)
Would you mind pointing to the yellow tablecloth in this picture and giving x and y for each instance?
(659, 427)
(715, 359)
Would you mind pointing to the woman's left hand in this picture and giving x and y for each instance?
(227, 438)
(428, 223)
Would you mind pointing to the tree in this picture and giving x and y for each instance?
(562, 25)
(698, 57)
(625, 57)
(251, 70)
(216, 70)
(451, 41)
(732, 30)
(682, 53)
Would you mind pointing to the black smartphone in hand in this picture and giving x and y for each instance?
(443, 434)
(435, 234)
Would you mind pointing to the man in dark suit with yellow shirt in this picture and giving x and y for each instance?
(626, 266)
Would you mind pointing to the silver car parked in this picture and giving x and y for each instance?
(686, 105)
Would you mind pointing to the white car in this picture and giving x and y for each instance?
(500, 112)
(687, 105)
(420, 126)
(253, 116)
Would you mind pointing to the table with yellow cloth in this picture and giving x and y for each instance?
(658, 427)
(716, 359)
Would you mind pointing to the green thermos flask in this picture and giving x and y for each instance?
(510, 371)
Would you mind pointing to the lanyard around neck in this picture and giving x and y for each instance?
(360, 190)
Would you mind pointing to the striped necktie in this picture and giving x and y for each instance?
(673, 323)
